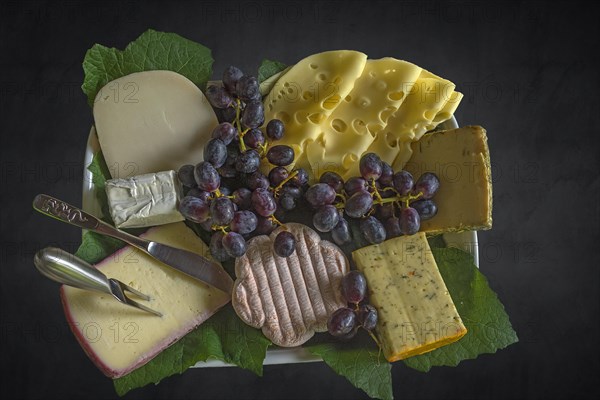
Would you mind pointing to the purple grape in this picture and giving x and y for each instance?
(186, 176)
(253, 115)
(354, 185)
(264, 226)
(403, 182)
(275, 129)
(215, 152)
(231, 76)
(320, 194)
(228, 114)
(367, 316)
(227, 171)
(194, 209)
(342, 322)
(384, 211)
(201, 194)
(257, 180)
(341, 233)
(247, 89)
(370, 166)
(254, 138)
(243, 222)
(207, 177)
(284, 244)
(221, 211)
(248, 161)
(428, 184)
(293, 191)
(300, 179)
(234, 244)
(225, 191)
(392, 227)
(225, 132)
(207, 225)
(387, 175)
(216, 247)
(280, 155)
(242, 197)
(354, 286)
(334, 180)
(326, 218)
(233, 152)
(373, 230)
(287, 201)
(278, 175)
(359, 204)
(427, 209)
(218, 97)
(410, 222)
(263, 202)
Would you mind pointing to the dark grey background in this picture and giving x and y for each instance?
(529, 72)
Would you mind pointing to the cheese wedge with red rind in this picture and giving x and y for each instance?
(119, 338)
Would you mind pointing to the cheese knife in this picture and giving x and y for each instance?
(191, 264)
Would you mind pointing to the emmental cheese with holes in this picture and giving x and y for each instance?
(290, 298)
(461, 160)
(415, 311)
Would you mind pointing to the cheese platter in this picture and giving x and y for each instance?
(339, 193)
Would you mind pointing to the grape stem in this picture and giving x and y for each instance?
(286, 180)
(221, 228)
(272, 218)
(239, 126)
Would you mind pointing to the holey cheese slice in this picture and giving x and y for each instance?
(119, 338)
(461, 160)
(152, 121)
(415, 311)
(308, 93)
(351, 128)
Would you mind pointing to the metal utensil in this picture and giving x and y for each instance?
(192, 264)
(63, 267)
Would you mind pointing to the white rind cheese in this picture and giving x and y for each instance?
(415, 311)
(152, 121)
(119, 338)
(144, 200)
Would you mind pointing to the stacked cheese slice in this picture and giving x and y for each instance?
(338, 105)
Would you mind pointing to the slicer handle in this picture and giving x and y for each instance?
(64, 212)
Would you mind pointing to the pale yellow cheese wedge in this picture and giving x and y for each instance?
(152, 121)
(351, 128)
(119, 338)
(308, 92)
(415, 311)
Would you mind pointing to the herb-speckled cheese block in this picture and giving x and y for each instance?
(416, 312)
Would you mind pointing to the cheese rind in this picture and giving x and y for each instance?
(144, 200)
(119, 338)
(461, 160)
(415, 311)
(152, 121)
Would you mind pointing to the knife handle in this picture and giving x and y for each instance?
(65, 212)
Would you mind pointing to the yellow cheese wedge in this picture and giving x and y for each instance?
(351, 128)
(152, 121)
(415, 311)
(461, 160)
(308, 92)
(119, 338)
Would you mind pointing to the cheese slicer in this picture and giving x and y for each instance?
(66, 268)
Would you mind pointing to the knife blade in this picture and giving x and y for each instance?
(191, 264)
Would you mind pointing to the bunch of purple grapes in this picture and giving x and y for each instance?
(227, 194)
(386, 204)
(344, 322)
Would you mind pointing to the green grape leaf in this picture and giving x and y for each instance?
(151, 51)
(268, 68)
(488, 326)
